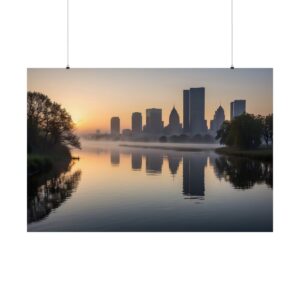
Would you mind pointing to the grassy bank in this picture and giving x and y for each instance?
(38, 163)
(262, 153)
(44, 161)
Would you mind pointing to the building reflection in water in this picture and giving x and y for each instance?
(174, 161)
(193, 176)
(136, 161)
(242, 173)
(154, 162)
(115, 157)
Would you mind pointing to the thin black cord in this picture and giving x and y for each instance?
(68, 34)
(232, 67)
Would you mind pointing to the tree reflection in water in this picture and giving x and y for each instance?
(243, 173)
(48, 192)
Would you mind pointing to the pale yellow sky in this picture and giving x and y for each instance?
(93, 96)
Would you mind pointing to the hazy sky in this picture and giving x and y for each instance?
(93, 96)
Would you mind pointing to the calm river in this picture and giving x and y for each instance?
(118, 188)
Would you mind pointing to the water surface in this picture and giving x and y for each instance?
(114, 188)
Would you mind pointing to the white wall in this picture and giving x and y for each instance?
(156, 33)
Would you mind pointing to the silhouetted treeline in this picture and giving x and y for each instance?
(247, 131)
(50, 132)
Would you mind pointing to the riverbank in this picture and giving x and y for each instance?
(262, 154)
(45, 161)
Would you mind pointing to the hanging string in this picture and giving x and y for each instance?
(68, 34)
(232, 67)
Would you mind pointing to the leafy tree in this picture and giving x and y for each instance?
(247, 131)
(49, 123)
(244, 131)
(268, 129)
(224, 134)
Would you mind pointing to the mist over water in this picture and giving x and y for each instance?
(170, 188)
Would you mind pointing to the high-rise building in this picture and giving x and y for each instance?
(219, 118)
(174, 126)
(237, 107)
(186, 111)
(154, 123)
(115, 125)
(231, 110)
(136, 123)
(197, 111)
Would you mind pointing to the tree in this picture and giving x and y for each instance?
(247, 131)
(244, 131)
(268, 128)
(223, 134)
(49, 123)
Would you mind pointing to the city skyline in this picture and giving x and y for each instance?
(93, 96)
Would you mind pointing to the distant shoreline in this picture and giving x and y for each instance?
(175, 147)
(261, 154)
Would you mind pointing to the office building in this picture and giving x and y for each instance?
(154, 123)
(219, 118)
(186, 111)
(197, 108)
(115, 126)
(194, 111)
(237, 107)
(174, 126)
(136, 123)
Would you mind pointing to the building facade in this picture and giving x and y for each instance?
(219, 118)
(186, 111)
(174, 126)
(194, 111)
(115, 126)
(136, 123)
(237, 107)
(154, 123)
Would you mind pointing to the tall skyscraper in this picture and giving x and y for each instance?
(136, 123)
(186, 111)
(115, 125)
(237, 107)
(197, 111)
(231, 110)
(219, 118)
(154, 123)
